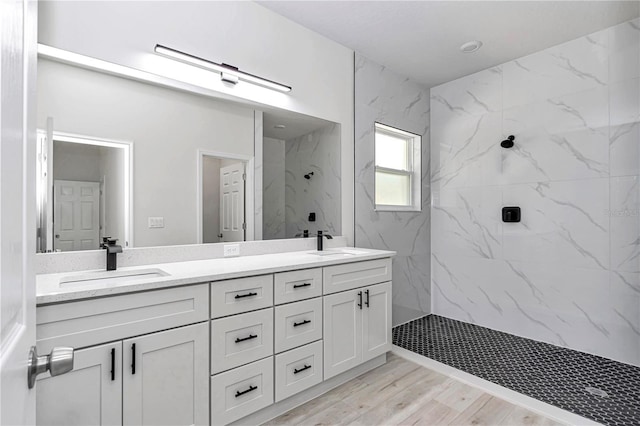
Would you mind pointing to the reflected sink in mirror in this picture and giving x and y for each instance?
(111, 277)
(339, 252)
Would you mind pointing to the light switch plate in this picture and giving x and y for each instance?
(156, 222)
(231, 250)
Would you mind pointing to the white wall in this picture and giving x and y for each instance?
(569, 272)
(112, 170)
(240, 33)
(72, 161)
(210, 199)
(166, 127)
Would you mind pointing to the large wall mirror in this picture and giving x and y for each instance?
(151, 165)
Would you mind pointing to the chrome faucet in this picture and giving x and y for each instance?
(321, 235)
(113, 249)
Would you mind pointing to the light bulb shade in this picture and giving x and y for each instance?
(229, 74)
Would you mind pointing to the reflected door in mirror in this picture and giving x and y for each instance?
(232, 223)
(76, 224)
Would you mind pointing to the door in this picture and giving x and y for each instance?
(232, 225)
(17, 207)
(342, 332)
(76, 218)
(91, 394)
(376, 321)
(166, 377)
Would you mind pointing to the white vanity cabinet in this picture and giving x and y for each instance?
(91, 394)
(234, 350)
(158, 378)
(357, 322)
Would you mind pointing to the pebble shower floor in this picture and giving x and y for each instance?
(597, 388)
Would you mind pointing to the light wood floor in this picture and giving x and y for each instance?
(403, 393)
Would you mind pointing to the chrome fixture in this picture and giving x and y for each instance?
(508, 142)
(113, 249)
(228, 73)
(58, 362)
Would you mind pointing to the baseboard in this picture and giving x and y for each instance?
(279, 408)
(516, 398)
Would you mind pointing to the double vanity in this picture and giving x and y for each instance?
(211, 341)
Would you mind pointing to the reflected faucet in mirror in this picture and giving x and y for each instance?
(113, 249)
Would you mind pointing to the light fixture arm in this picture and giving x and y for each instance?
(228, 73)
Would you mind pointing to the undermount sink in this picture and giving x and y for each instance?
(111, 277)
(338, 252)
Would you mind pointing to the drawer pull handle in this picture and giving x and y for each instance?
(300, 370)
(251, 389)
(240, 296)
(301, 285)
(251, 336)
(133, 358)
(298, 324)
(113, 364)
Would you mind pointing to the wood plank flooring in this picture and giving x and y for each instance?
(403, 393)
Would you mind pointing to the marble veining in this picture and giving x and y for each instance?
(385, 97)
(569, 272)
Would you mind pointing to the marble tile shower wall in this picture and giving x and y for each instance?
(317, 152)
(273, 225)
(569, 272)
(388, 98)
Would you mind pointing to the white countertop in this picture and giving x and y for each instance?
(49, 289)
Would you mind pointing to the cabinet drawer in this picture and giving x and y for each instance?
(241, 295)
(353, 275)
(90, 322)
(297, 285)
(241, 391)
(241, 339)
(298, 369)
(297, 324)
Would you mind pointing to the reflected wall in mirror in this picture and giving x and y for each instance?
(301, 184)
(173, 167)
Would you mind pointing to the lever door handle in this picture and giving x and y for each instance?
(58, 362)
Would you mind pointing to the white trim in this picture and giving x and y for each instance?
(127, 147)
(516, 398)
(414, 146)
(248, 193)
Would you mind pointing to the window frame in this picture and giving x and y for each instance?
(414, 163)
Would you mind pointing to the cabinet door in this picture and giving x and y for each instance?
(342, 332)
(376, 321)
(91, 394)
(166, 377)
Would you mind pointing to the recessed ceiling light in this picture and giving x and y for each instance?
(471, 46)
(279, 126)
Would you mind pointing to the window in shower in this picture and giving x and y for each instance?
(397, 169)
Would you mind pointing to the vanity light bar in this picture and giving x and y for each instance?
(225, 70)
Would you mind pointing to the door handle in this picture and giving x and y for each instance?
(360, 300)
(58, 362)
(133, 358)
(366, 302)
(219, 235)
(113, 364)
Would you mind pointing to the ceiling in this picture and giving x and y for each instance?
(421, 39)
(295, 124)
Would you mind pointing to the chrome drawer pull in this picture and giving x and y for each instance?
(301, 285)
(251, 336)
(240, 296)
(297, 324)
(251, 388)
(306, 367)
